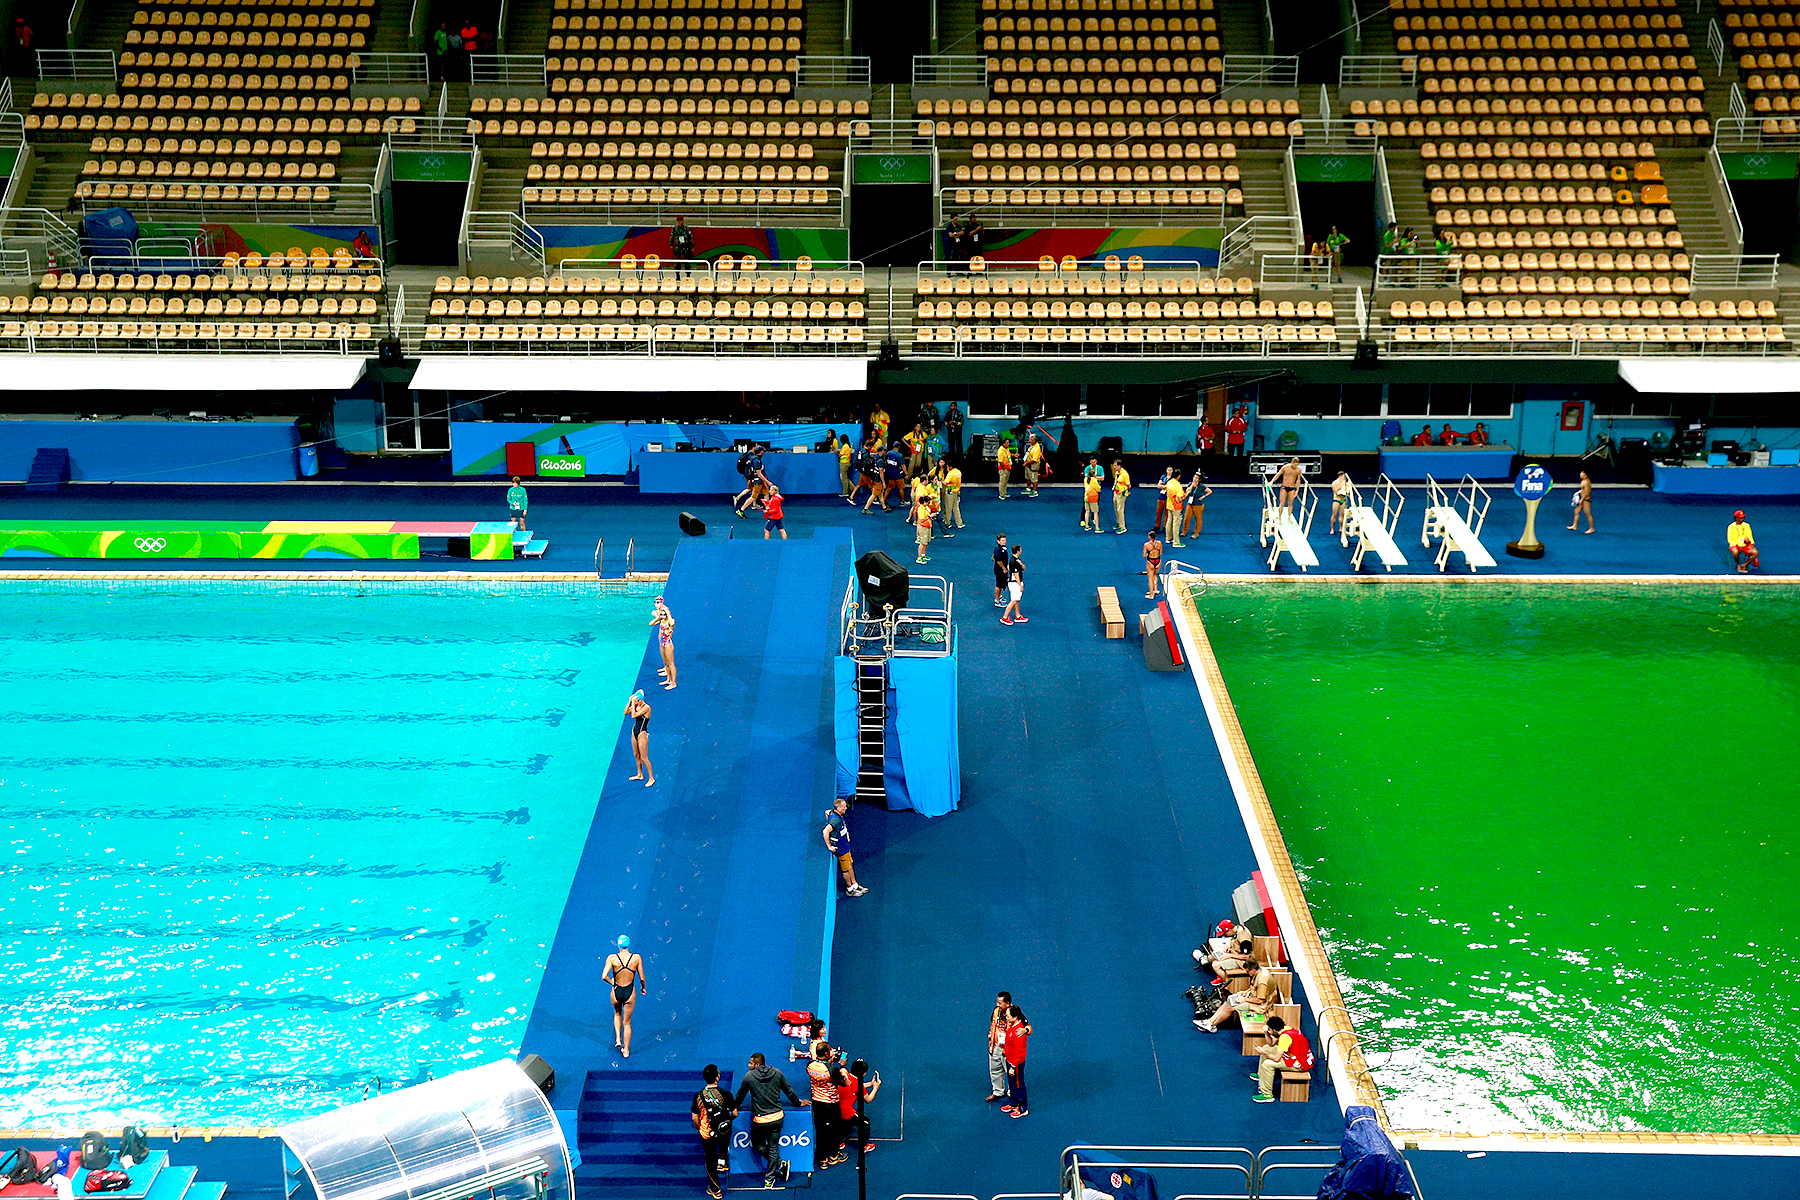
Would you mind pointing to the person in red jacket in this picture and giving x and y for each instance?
(1205, 437)
(1287, 1050)
(1018, 1034)
(1424, 438)
(772, 519)
(1234, 431)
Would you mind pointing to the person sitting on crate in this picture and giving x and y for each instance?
(1287, 1050)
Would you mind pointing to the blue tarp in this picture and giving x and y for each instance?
(110, 231)
(1369, 1167)
(923, 728)
(843, 723)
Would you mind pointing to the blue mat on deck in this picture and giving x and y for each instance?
(717, 872)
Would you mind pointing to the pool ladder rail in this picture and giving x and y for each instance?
(600, 558)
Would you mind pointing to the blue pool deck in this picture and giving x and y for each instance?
(1097, 837)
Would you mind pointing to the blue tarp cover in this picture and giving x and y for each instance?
(924, 731)
(843, 724)
(1369, 1167)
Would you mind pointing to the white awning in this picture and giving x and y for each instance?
(178, 372)
(797, 373)
(1711, 374)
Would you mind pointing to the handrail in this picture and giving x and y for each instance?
(1362, 315)
(1324, 103)
(1259, 71)
(431, 133)
(391, 67)
(950, 70)
(1377, 71)
(675, 202)
(1715, 41)
(1384, 190)
(1117, 268)
(415, 27)
(346, 205)
(1732, 270)
(630, 558)
(1288, 269)
(599, 557)
(76, 12)
(500, 28)
(1734, 102)
(832, 71)
(1723, 199)
(1291, 179)
(6, 94)
(14, 180)
(1753, 133)
(1418, 270)
(507, 230)
(1246, 235)
(508, 70)
(77, 64)
(1355, 135)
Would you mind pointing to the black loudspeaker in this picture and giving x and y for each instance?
(1110, 448)
(691, 525)
(539, 1072)
(884, 582)
(1368, 356)
(390, 353)
(1161, 651)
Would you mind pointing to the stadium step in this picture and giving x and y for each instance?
(634, 1131)
(49, 470)
(1241, 26)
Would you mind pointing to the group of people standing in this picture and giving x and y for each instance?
(963, 237)
(451, 48)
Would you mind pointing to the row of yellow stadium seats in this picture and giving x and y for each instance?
(690, 44)
(176, 306)
(1782, 126)
(315, 196)
(221, 82)
(207, 147)
(1686, 310)
(1092, 197)
(1559, 172)
(678, 172)
(260, 19)
(1011, 110)
(1115, 335)
(650, 65)
(1563, 64)
(1569, 260)
(656, 278)
(286, 39)
(676, 195)
(1012, 127)
(1533, 334)
(678, 6)
(665, 150)
(322, 5)
(772, 310)
(171, 331)
(114, 102)
(1512, 193)
(173, 108)
(1588, 87)
(231, 60)
(1114, 310)
(682, 25)
(1072, 284)
(1645, 124)
(531, 106)
(1578, 285)
(1783, 18)
(1584, 218)
(1609, 150)
(813, 131)
(1538, 23)
(844, 335)
(330, 273)
(1166, 43)
(1102, 25)
(1193, 177)
(221, 169)
(663, 85)
(1165, 65)
(1556, 42)
(1774, 103)
(1568, 239)
(1096, 6)
(1106, 85)
(175, 123)
(1135, 151)
(1485, 106)
(1772, 83)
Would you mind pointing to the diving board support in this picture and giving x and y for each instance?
(1285, 530)
(1455, 519)
(1372, 526)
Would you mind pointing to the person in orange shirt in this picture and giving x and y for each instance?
(1174, 495)
(1090, 503)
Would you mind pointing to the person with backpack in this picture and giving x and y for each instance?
(712, 1112)
(1287, 1050)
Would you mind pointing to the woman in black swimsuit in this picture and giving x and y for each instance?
(625, 972)
(1153, 552)
(639, 712)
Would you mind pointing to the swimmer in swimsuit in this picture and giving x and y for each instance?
(1289, 478)
(624, 970)
(1153, 552)
(639, 712)
(664, 620)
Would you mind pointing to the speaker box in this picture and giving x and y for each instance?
(884, 582)
(539, 1072)
(1368, 356)
(389, 353)
(1110, 448)
(691, 525)
(1161, 651)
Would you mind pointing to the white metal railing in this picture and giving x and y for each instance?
(345, 203)
(655, 265)
(1291, 181)
(1418, 270)
(505, 232)
(76, 11)
(924, 628)
(507, 70)
(662, 203)
(6, 94)
(1732, 270)
(1756, 133)
(1111, 266)
(832, 71)
(79, 65)
(1267, 230)
(1715, 42)
(415, 25)
(1296, 269)
(1734, 102)
(15, 264)
(40, 224)
(1108, 342)
(391, 69)
(500, 28)
(950, 70)
(1362, 315)
(1341, 135)
(1324, 103)
(432, 133)
(12, 130)
(1724, 202)
(182, 336)
(1384, 190)
(1268, 24)
(1470, 501)
(1279, 519)
(1377, 71)
(10, 195)
(1384, 502)
(889, 133)
(1260, 71)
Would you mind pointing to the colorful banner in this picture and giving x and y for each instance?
(364, 241)
(612, 447)
(1159, 244)
(565, 242)
(260, 539)
(890, 168)
(433, 166)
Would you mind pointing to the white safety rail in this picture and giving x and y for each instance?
(832, 71)
(1285, 533)
(391, 69)
(1371, 521)
(82, 65)
(1455, 519)
(950, 70)
(507, 70)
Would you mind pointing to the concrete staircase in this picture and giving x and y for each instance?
(502, 179)
(636, 1135)
(1264, 183)
(527, 28)
(1703, 228)
(1241, 26)
(55, 173)
(824, 28)
(392, 33)
(959, 27)
(105, 23)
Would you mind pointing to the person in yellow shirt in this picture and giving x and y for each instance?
(950, 500)
(1004, 461)
(1173, 496)
(1034, 465)
(1742, 543)
(1090, 503)
(1121, 491)
(845, 452)
(878, 424)
(922, 494)
(922, 517)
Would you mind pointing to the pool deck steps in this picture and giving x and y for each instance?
(172, 1183)
(635, 1132)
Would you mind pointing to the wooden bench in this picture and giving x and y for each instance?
(1111, 613)
(1294, 1086)
(1256, 1034)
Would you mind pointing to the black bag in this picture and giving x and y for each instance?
(1207, 1000)
(95, 1155)
(20, 1167)
(134, 1148)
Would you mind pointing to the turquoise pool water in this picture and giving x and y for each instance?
(265, 843)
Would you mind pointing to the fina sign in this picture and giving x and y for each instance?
(1533, 483)
(561, 464)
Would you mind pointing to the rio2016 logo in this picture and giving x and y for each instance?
(551, 466)
(794, 1141)
(151, 545)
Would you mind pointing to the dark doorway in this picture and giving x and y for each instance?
(890, 224)
(427, 220)
(1350, 207)
(891, 34)
(1766, 206)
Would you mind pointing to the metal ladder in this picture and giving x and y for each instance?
(871, 728)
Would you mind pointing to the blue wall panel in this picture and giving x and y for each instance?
(157, 451)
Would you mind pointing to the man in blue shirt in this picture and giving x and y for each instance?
(515, 502)
(837, 840)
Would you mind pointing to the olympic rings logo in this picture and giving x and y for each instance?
(151, 545)
(431, 162)
(892, 164)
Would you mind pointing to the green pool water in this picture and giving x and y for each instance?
(267, 843)
(1547, 833)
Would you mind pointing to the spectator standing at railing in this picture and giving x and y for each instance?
(1446, 242)
(440, 49)
(1335, 242)
(976, 231)
(471, 42)
(956, 240)
(681, 246)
